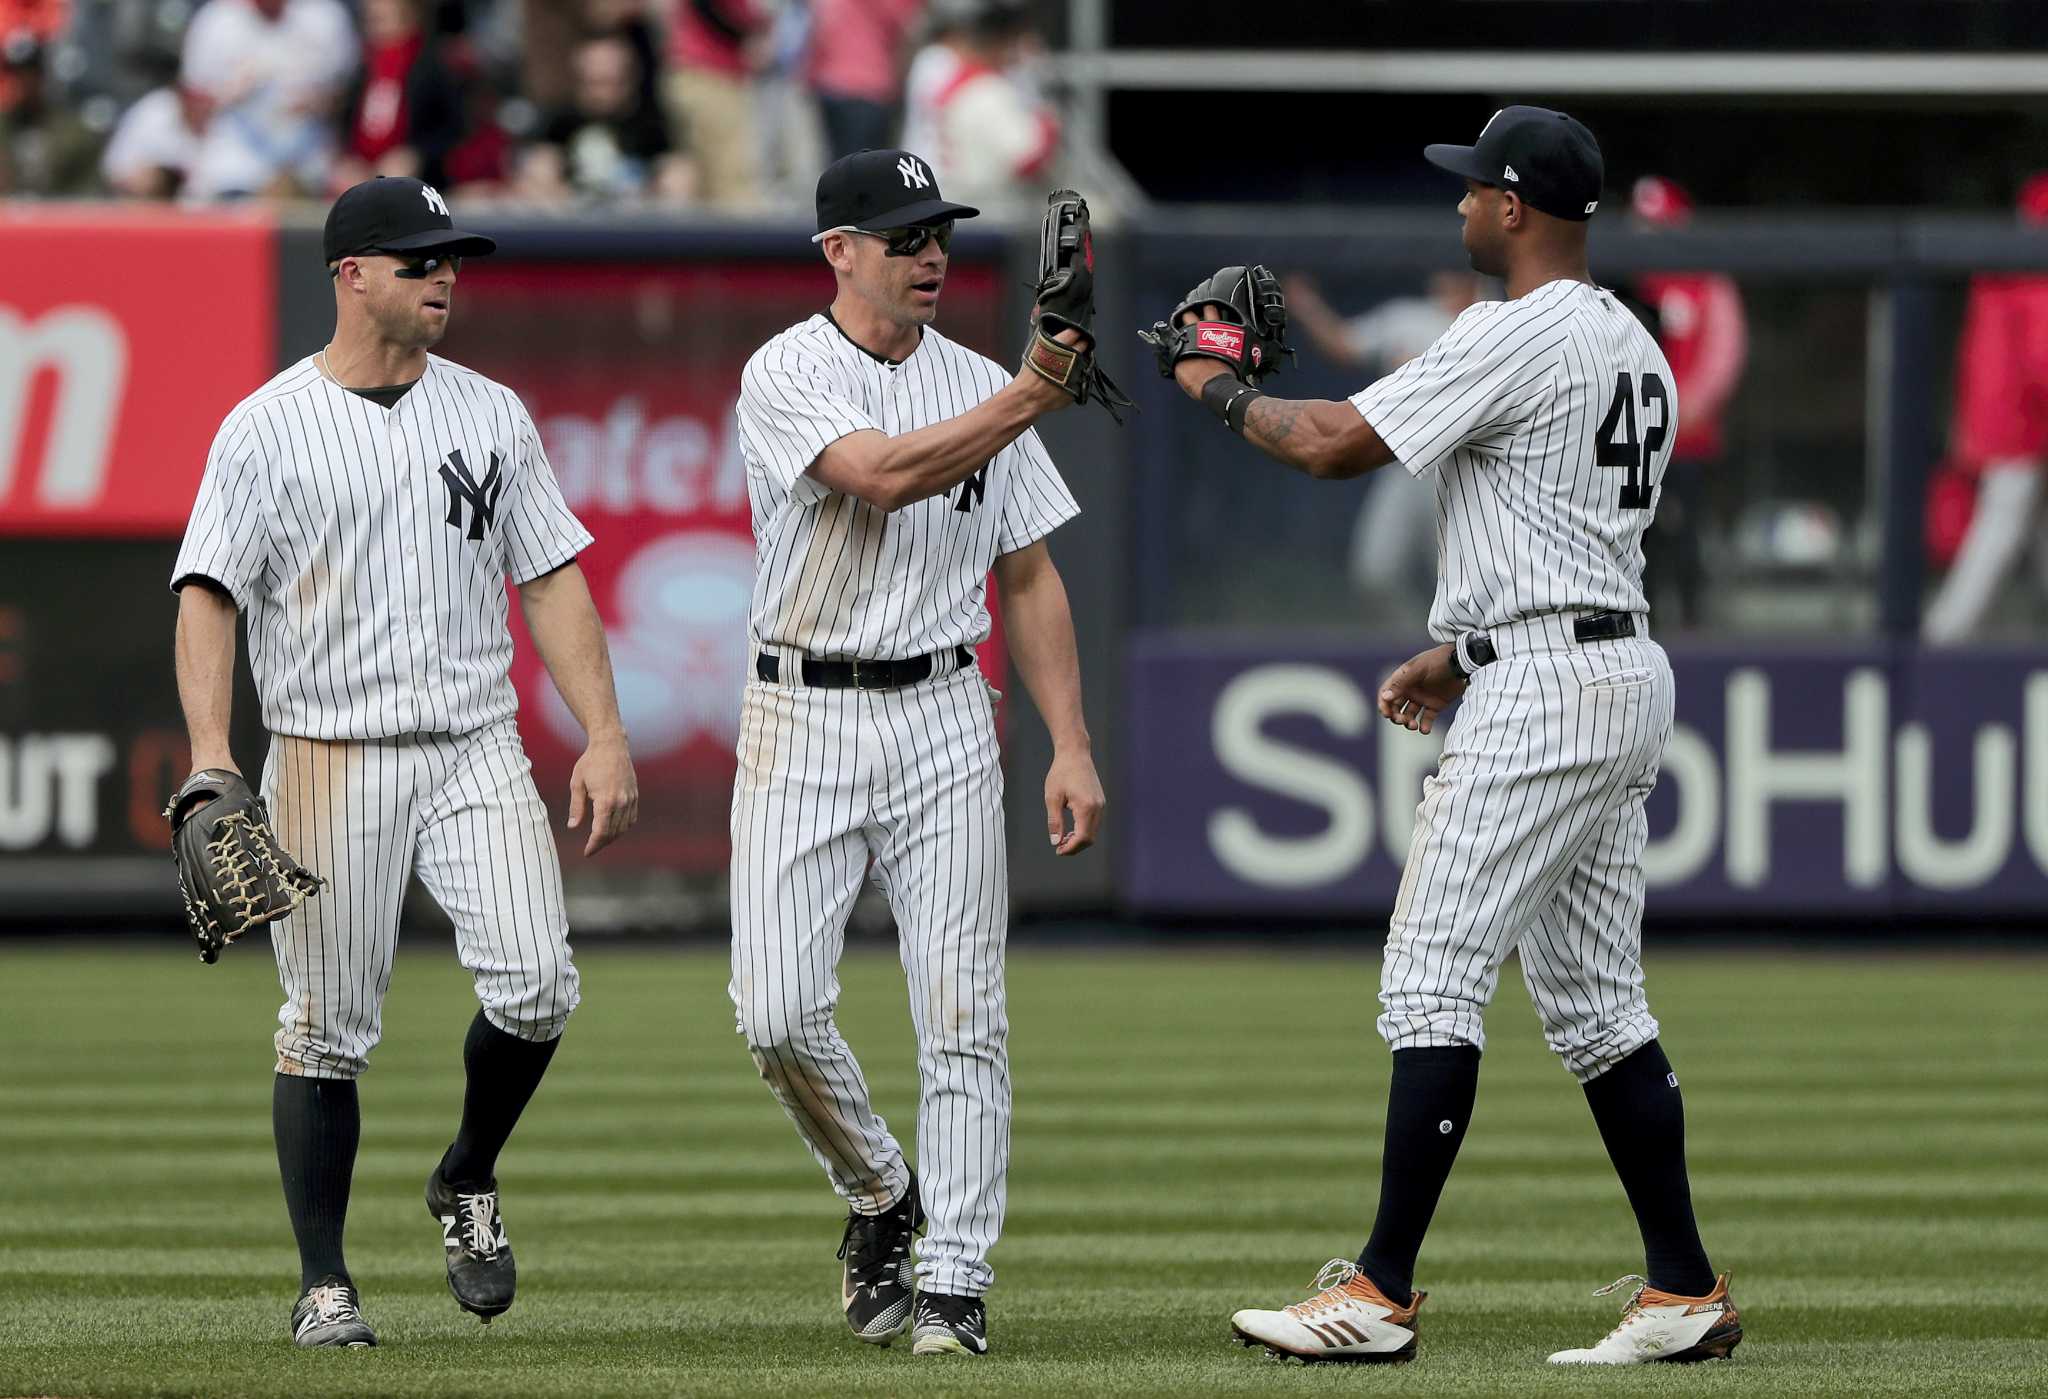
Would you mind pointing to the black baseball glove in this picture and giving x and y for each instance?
(1249, 336)
(1066, 301)
(231, 872)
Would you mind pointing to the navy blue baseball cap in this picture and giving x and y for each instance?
(395, 214)
(1548, 158)
(883, 189)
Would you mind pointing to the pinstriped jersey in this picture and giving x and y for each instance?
(836, 576)
(1548, 422)
(369, 548)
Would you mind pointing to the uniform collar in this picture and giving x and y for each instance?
(878, 359)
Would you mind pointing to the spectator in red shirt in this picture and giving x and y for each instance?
(1704, 333)
(2000, 434)
(714, 49)
(405, 113)
(854, 65)
(22, 21)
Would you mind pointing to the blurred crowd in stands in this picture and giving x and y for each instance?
(727, 105)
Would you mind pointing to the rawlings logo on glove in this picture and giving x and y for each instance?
(1237, 317)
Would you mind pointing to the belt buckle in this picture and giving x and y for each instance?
(866, 677)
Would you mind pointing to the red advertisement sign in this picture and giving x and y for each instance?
(631, 373)
(125, 337)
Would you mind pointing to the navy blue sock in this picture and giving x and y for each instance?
(503, 1071)
(317, 1122)
(1429, 1105)
(1642, 1120)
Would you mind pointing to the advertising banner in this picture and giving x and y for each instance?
(1837, 781)
(125, 338)
(92, 742)
(631, 372)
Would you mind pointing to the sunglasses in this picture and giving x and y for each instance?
(901, 242)
(415, 269)
(419, 268)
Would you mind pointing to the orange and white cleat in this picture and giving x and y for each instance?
(1663, 1326)
(1348, 1320)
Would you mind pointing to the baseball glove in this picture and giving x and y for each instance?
(1249, 336)
(1066, 301)
(231, 872)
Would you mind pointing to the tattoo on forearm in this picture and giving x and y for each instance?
(1272, 420)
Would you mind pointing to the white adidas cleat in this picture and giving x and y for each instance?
(1348, 1320)
(1663, 1326)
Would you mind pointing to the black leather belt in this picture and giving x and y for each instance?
(862, 675)
(1477, 647)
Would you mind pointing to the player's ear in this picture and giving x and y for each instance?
(1510, 209)
(839, 251)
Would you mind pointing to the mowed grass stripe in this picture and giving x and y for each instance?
(1192, 1136)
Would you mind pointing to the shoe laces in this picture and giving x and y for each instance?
(334, 1302)
(1328, 1287)
(873, 1243)
(948, 1309)
(479, 1222)
(1633, 1307)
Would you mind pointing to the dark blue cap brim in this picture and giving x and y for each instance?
(1460, 160)
(924, 211)
(452, 241)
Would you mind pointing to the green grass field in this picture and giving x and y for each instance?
(1194, 1133)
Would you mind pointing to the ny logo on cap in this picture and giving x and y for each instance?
(914, 176)
(434, 200)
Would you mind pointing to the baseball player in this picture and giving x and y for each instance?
(363, 509)
(888, 469)
(1545, 422)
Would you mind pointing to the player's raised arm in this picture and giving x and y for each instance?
(892, 472)
(1224, 339)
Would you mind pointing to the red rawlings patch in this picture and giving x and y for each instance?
(1223, 339)
(1088, 252)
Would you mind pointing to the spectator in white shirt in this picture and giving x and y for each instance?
(276, 70)
(971, 109)
(156, 145)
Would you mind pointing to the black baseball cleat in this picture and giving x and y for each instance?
(327, 1314)
(880, 1280)
(949, 1325)
(480, 1269)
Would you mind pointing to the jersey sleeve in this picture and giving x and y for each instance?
(790, 410)
(540, 533)
(227, 538)
(1474, 387)
(1038, 501)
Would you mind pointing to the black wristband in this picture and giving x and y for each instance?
(1229, 400)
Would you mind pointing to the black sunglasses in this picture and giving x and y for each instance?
(901, 242)
(414, 269)
(419, 268)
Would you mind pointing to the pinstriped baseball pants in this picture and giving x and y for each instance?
(363, 814)
(1530, 839)
(906, 783)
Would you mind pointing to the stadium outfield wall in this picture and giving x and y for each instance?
(1246, 778)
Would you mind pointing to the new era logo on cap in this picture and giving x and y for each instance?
(1550, 159)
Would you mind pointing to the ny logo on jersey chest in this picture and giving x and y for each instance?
(480, 496)
(972, 490)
